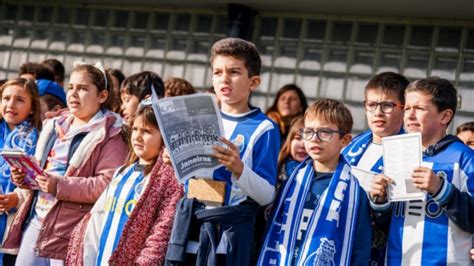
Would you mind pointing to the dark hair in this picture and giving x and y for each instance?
(51, 101)
(285, 150)
(468, 126)
(140, 85)
(3, 81)
(117, 74)
(442, 92)
(178, 87)
(331, 111)
(272, 111)
(32, 89)
(56, 67)
(117, 101)
(37, 70)
(98, 78)
(148, 116)
(239, 49)
(389, 83)
(285, 88)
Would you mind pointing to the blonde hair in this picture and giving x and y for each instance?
(285, 150)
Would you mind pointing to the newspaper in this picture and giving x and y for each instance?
(190, 126)
(401, 154)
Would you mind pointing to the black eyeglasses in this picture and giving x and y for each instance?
(385, 107)
(323, 134)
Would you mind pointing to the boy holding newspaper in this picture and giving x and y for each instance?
(248, 172)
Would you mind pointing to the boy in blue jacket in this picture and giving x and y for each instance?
(436, 231)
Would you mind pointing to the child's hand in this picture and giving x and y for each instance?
(8, 201)
(472, 254)
(17, 177)
(378, 191)
(426, 180)
(229, 157)
(47, 183)
(166, 156)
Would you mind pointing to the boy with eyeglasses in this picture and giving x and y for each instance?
(384, 99)
(321, 214)
(438, 230)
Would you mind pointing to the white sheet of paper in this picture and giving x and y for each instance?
(364, 177)
(401, 154)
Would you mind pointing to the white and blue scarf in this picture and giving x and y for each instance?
(331, 228)
(23, 137)
(354, 151)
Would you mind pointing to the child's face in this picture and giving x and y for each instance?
(289, 104)
(421, 115)
(83, 98)
(324, 152)
(16, 105)
(129, 106)
(297, 149)
(146, 140)
(381, 123)
(232, 83)
(467, 137)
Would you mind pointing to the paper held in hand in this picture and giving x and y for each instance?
(190, 125)
(27, 163)
(364, 177)
(401, 154)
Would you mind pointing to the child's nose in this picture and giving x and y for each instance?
(225, 77)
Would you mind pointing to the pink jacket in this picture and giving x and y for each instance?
(145, 237)
(89, 172)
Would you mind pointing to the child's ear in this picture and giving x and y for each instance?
(255, 82)
(346, 139)
(103, 95)
(446, 116)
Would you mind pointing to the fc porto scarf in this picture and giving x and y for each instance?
(331, 227)
(354, 151)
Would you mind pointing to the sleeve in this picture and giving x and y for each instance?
(82, 189)
(154, 250)
(459, 207)
(362, 242)
(259, 181)
(22, 195)
(458, 204)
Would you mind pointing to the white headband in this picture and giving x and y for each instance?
(97, 65)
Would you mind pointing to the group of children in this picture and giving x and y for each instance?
(108, 194)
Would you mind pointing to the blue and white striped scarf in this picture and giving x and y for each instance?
(331, 227)
(354, 151)
(122, 194)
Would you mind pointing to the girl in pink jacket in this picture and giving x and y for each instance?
(132, 220)
(78, 150)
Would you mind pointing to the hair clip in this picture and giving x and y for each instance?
(144, 103)
(97, 65)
